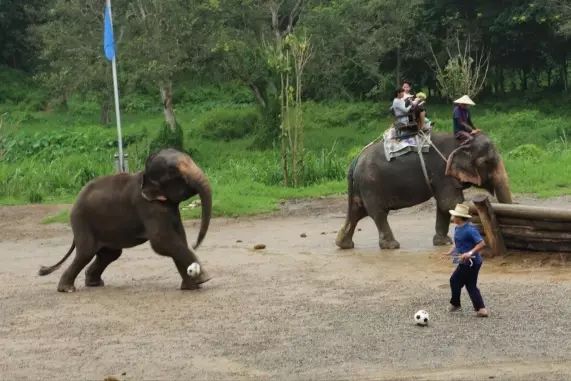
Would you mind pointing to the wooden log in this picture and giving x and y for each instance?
(528, 212)
(525, 232)
(538, 245)
(494, 238)
(533, 243)
(549, 226)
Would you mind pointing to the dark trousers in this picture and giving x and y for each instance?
(466, 276)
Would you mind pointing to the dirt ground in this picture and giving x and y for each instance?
(300, 309)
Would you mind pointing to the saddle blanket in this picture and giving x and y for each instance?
(397, 147)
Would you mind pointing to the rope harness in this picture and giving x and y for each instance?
(419, 144)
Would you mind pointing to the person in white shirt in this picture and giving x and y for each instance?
(399, 109)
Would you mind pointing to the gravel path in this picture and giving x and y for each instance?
(298, 310)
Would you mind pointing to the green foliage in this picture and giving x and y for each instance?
(47, 146)
(464, 72)
(212, 95)
(229, 124)
(527, 152)
(35, 197)
(19, 91)
(167, 138)
(55, 155)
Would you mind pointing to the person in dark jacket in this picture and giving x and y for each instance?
(464, 128)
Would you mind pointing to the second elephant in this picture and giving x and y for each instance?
(376, 186)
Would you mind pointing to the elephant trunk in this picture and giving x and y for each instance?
(205, 193)
(197, 180)
(501, 184)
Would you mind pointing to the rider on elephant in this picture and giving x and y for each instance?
(399, 109)
(420, 112)
(464, 129)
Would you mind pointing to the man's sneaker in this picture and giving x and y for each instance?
(454, 309)
(482, 312)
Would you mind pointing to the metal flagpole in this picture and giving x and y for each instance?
(116, 93)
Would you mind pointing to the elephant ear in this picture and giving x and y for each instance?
(461, 166)
(151, 183)
(151, 190)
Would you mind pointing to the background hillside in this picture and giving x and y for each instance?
(57, 123)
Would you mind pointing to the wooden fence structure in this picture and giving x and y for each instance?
(521, 227)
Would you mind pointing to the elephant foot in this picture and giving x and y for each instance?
(439, 240)
(94, 282)
(194, 284)
(189, 285)
(389, 244)
(203, 277)
(66, 288)
(343, 241)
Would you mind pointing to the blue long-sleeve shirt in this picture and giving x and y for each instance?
(466, 237)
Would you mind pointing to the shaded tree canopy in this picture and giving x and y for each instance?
(362, 48)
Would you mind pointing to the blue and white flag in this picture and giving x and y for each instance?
(108, 42)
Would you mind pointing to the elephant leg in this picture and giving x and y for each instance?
(103, 258)
(355, 213)
(441, 237)
(84, 253)
(386, 237)
(172, 243)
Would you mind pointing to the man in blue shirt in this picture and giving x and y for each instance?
(467, 245)
(461, 120)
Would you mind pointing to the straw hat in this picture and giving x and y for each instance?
(461, 210)
(465, 100)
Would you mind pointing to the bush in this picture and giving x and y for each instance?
(231, 93)
(35, 197)
(168, 139)
(19, 89)
(527, 152)
(323, 166)
(229, 124)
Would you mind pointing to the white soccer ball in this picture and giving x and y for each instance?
(193, 270)
(421, 317)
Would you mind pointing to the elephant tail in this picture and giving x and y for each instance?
(44, 270)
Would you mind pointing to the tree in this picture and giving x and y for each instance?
(18, 49)
(156, 41)
(462, 74)
(245, 30)
(72, 53)
(289, 60)
(165, 38)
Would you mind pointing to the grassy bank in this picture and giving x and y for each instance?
(47, 157)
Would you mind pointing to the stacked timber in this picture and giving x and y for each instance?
(522, 227)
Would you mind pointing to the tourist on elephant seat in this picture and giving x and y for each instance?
(464, 129)
(420, 111)
(399, 109)
(408, 93)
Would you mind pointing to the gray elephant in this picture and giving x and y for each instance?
(116, 212)
(377, 186)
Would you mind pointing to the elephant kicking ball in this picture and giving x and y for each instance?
(116, 212)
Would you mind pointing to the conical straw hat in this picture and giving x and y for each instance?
(465, 100)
